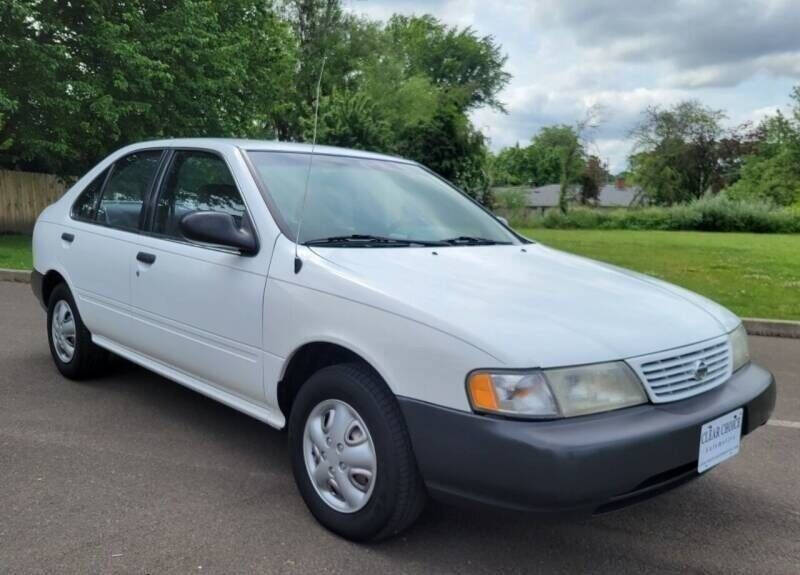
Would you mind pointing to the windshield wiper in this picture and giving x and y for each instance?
(473, 241)
(356, 240)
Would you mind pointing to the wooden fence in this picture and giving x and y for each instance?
(23, 195)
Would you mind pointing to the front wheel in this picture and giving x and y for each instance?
(351, 454)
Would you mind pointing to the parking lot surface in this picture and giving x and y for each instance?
(131, 473)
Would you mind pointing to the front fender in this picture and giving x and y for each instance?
(415, 360)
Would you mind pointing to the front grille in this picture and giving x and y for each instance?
(681, 373)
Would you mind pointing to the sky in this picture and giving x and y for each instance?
(566, 56)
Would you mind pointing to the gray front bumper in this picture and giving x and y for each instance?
(581, 465)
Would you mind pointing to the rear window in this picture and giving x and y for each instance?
(125, 191)
(85, 207)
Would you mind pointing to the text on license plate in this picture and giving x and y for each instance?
(719, 439)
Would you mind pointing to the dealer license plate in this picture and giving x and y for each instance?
(719, 440)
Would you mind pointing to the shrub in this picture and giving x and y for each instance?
(712, 214)
(510, 203)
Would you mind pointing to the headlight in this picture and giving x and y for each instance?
(555, 392)
(741, 352)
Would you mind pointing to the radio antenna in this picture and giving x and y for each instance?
(298, 263)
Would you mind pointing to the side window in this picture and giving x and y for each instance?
(85, 207)
(196, 181)
(126, 189)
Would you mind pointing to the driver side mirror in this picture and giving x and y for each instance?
(502, 220)
(219, 228)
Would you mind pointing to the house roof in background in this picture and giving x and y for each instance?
(612, 196)
(547, 196)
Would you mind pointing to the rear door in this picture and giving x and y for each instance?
(198, 308)
(96, 244)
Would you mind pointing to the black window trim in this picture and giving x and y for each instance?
(110, 170)
(158, 189)
(152, 196)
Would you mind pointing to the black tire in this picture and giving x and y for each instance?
(88, 359)
(398, 495)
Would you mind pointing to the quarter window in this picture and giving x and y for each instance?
(127, 188)
(196, 181)
(85, 207)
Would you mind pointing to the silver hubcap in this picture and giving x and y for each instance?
(339, 455)
(63, 329)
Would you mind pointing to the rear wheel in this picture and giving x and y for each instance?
(71, 346)
(351, 454)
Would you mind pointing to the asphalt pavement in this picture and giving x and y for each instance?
(131, 473)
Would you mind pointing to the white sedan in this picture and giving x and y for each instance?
(411, 343)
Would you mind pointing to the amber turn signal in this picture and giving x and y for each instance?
(481, 392)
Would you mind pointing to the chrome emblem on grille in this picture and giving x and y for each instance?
(700, 370)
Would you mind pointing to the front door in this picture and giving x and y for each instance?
(198, 308)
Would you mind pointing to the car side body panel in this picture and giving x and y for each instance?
(98, 262)
(415, 360)
(178, 317)
(94, 265)
(199, 308)
(195, 312)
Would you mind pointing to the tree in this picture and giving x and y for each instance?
(795, 96)
(467, 67)
(322, 30)
(561, 154)
(83, 78)
(660, 181)
(551, 154)
(5, 107)
(556, 154)
(405, 87)
(772, 171)
(512, 166)
(593, 177)
(427, 77)
(512, 202)
(676, 152)
(351, 120)
(732, 149)
(453, 148)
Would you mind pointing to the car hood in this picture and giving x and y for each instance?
(528, 306)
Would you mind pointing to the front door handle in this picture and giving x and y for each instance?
(146, 258)
(67, 237)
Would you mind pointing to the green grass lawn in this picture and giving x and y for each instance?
(755, 275)
(15, 252)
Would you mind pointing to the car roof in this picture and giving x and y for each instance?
(260, 145)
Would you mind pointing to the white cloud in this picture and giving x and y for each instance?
(614, 151)
(742, 56)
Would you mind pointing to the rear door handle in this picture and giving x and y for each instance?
(146, 258)
(67, 237)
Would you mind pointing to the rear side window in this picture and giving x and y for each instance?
(196, 181)
(85, 207)
(126, 189)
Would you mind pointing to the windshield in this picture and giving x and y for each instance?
(356, 201)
